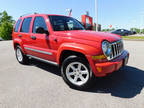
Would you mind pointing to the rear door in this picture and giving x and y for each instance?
(16, 29)
(24, 33)
(40, 43)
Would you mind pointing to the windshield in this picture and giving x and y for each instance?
(63, 23)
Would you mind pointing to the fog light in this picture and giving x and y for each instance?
(99, 69)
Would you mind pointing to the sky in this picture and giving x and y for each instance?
(118, 13)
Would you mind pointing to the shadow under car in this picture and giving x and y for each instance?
(125, 83)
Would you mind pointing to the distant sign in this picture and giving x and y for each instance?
(110, 26)
(87, 13)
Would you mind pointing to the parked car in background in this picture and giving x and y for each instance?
(134, 32)
(1, 39)
(122, 32)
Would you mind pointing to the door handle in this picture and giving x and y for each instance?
(33, 37)
(20, 35)
(55, 40)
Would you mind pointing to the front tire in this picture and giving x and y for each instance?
(21, 57)
(77, 73)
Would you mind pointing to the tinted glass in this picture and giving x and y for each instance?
(39, 22)
(62, 23)
(17, 25)
(118, 30)
(26, 25)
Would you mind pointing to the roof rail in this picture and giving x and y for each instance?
(28, 14)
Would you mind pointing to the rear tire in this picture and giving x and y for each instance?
(21, 57)
(77, 73)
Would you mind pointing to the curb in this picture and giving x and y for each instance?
(134, 39)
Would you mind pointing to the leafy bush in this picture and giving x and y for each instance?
(6, 26)
(136, 29)
(106, 30)
(6, 31)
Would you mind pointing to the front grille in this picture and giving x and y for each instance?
(117, 49)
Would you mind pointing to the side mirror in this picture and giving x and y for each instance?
(41, 30)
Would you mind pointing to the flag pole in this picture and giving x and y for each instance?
(96, 9)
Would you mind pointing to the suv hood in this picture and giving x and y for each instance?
(89, 35)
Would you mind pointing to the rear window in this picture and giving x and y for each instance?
(26, 25)
(17, 25)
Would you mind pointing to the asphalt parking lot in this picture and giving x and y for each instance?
(40, 85)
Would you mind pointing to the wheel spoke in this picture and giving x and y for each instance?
(73, 68)
(84, 72)
(79, 66)
(75, 78)
(82, 78)
(72, 73)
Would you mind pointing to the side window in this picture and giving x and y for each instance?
(39, 22)
(70, 24)
(122, 30)
(58, 25)
(26, 25)
(17, 25)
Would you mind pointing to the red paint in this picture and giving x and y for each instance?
(109, 67)
(82, 41)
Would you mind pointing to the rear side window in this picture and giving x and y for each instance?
(39, 22)
(26, 25)
(17, 25)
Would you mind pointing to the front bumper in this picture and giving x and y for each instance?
(102, 69)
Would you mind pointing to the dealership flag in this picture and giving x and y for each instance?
(70, 12)
(110, 26)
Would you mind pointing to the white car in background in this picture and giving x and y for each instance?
(1, 39)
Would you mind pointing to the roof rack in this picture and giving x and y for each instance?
(28, 14)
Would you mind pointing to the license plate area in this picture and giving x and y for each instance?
(126, 60)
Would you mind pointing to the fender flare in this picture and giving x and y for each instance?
(19, 41)
(81, 48)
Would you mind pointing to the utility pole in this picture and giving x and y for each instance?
(96, 9)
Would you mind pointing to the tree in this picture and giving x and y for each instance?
(6, 30)
(106, 30)
(6, 26)
(5, 17)
(135, 29)
(142, 30)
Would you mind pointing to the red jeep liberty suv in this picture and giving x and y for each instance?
(61, 40)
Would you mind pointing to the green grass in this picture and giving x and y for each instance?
(133, 37)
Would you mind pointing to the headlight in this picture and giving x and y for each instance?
(106, 47)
